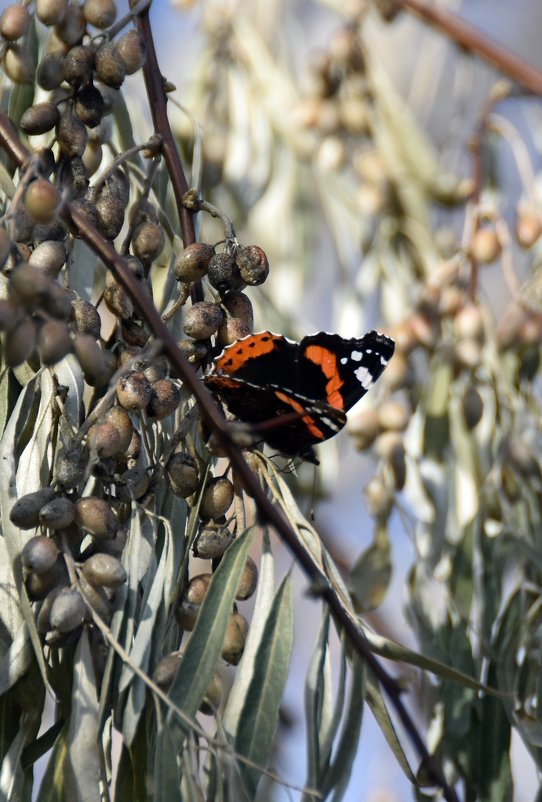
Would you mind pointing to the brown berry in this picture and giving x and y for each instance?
(212, 541)
(57, 513)
(42, 200)
(39, 554)
(25, 511)
(78, 65)
(203, 320)
(248, 581)
(39, 118)
(235, 639)
(50, 73)
(134, 484)
(217, 498)
(253, 265)
(18, 64)
(51, 12)
(104, 440)
(239, 306)
(193, 262)
(71, 28)
(71, 134)
(109, 66)
(165, 670)
(86, 318)
(14, 22)
(485, 246)
(20, 342)
(104, 570)
(182, 472)
(223, 273)
(134, 391)
(100, 13)
(96, 517)
(54, 342)
(148, 242)
(165, 398)
(132, 51)
(67, 610)
(49, 257)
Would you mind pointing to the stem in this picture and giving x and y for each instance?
(475, 41)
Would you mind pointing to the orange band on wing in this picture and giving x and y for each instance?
(235, 356)
(328, 362)
(307, 419)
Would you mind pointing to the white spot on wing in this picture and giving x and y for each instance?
(356, 356)
(364, 377)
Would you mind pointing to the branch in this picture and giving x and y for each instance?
(154, 82)
(475, 41)
(211, 415)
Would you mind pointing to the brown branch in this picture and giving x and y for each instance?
(154, 82)
(211, 415)
(475, 41)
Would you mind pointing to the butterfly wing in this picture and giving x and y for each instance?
(341, 371)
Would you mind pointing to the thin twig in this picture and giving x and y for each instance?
(475, 41)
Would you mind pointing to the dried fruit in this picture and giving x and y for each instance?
(134, 390)
(182, 472)
(25, 511)
(104, 570)
(95, 516)
(67, 610)
(132, 51)
(57, 513)
(217, 498)
(212, 541)
(203, 320)
(40, 118)
(253, 265)
(248, 581)
(165, 398)
(39, 554)
(193, 262)
(234, 639)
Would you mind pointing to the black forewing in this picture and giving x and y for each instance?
(340, 371)
(262, 359)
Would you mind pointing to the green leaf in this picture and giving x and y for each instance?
(259, 717)
(373, 697)
(338, 775)
(52, 785)
(385, 647)
(245, 670)
(83, 735)
(318, 702)
(167, 777)
(370, 577)
(493, 755)
(203, 649)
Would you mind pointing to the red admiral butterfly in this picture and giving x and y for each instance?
(264, 376)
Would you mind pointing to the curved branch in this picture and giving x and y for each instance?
(475, 41)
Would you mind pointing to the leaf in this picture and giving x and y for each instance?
(203, 649)
(373, 697)
(493, 755)
(141, 651)
(167, 776)
(82, 269)
(338, 775)
(371, 574)
(245, 669)
(83, 734)
(385, 647)
(318, 702)
(259, 717)
(16, 660)
(69, 374)
(52, 785)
